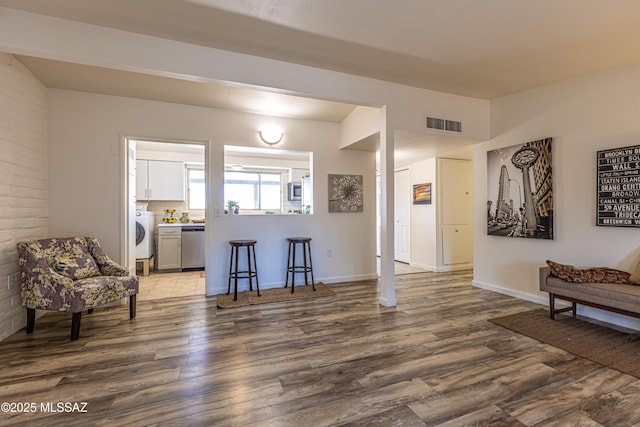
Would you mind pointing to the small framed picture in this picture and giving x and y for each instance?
(422, 194)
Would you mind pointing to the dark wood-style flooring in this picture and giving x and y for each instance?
(343, 360)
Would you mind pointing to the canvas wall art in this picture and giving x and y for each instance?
(520, 192)
(618, 191)
(422, 194)
(345, 193)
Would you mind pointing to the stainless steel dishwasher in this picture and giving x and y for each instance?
(192, 247)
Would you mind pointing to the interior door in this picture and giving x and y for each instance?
(402, 194)
(378, 247)
(130, 251)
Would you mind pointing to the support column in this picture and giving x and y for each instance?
(386, 283)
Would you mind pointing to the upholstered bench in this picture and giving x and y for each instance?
(622, 298)
(71, 274)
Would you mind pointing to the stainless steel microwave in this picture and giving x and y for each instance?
(295, 191)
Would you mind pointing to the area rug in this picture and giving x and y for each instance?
(273, 295)
(609, 347)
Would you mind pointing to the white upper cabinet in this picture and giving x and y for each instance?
(296, 175)
(160, 180)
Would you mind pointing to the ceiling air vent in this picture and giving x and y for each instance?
(442, 124)
(433, 123)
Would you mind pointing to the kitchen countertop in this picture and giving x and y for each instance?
(180, 224)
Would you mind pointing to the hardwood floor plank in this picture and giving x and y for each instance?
(425, 366)
(488, 416)
(341, 360)
(454, 404)
(619, 407)
(552, 399)
(361, 406)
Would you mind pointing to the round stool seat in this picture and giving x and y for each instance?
(299, 239)
(292, 267)
(242, 242)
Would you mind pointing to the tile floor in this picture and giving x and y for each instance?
(402, 268)
(170, 285)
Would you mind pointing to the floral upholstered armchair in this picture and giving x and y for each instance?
(71, 274)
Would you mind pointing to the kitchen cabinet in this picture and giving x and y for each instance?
(455, 203)
(169, 248)
(456, 244)
(160, 180)
(296, 175)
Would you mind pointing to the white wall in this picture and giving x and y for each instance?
(582, 115)
(85, 182)
(423, 218)
(23, 179)
(361, 123)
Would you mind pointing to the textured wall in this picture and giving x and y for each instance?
(23, 179)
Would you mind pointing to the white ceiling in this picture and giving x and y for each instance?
(85, 78)
(478, 48)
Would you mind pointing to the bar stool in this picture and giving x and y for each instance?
(305, 268)
(249, 273)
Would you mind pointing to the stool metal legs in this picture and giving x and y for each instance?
(235, 274)
(293, 268)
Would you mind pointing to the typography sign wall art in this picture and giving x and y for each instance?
(618, 194)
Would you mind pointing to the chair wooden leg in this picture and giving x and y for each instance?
(31, 319)
(89, 310)
(132, 307)
(75, 325)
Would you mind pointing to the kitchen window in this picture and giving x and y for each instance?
(267, 181)
(196, 187)
(256, 190)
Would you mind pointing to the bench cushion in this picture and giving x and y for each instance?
(588, 275)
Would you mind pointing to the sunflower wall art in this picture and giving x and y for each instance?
(345, 193)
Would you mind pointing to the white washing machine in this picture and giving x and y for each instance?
(144, 235)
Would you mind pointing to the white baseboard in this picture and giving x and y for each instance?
(354, 278)
(505, 291)
(455, 267)
(423, 266)
(443, 269)
(325, 280)
(387, 302)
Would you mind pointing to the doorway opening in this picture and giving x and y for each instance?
(166, 183)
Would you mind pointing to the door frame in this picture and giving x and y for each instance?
(127, 201)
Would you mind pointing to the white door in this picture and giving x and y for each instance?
(378, 249)
(402, 192)
(130, 197)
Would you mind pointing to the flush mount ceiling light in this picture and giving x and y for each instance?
(271, 135)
